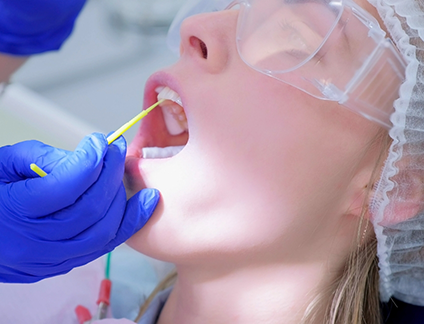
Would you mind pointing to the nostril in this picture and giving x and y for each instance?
(200, 45)
(204, 50)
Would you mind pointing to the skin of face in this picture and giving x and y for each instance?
(264, 162)
(269, 174)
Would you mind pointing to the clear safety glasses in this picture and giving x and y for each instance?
(331, 49)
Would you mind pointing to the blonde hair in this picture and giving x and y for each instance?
(168, 281)
(355, 293)
(354, 296)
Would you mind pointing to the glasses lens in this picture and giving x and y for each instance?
(280, 35)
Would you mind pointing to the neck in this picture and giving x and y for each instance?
(262, 294)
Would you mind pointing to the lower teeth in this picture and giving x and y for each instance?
(160, 152)
(174, 117)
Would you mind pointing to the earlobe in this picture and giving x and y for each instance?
(358, 203)
(359, 209)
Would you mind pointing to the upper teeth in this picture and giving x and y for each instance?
(173, 112)
(168, 94)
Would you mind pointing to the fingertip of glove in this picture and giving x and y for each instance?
(148, 200)
(92, 146)
(95, 140)
(98, 140)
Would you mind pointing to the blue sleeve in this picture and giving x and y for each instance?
(35, 26)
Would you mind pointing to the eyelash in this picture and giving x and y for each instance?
(285, 25)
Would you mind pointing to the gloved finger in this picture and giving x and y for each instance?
(93, 205)
(32, 272)
(11, 275)
(67, 181)
(76, 250)
(16, 159)
(105, 235)
(139, 209)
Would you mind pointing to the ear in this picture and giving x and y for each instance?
(360, 193)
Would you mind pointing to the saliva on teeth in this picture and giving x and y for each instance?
(173, 112)
(175, 121)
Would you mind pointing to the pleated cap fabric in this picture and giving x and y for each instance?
(397, 206)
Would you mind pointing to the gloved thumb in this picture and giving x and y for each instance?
(141, 207)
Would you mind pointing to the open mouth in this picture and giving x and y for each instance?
(164, 133)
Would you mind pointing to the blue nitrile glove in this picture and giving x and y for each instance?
(35, 26)
(73, 215)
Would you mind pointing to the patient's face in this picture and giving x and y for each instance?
(265, 167)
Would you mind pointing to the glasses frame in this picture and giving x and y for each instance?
(354, 95)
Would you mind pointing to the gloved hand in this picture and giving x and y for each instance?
(73, 215)
(34, 26)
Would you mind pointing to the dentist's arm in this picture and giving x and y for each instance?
(70, 217)
(8, 65)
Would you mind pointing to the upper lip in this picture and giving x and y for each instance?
(160, 78)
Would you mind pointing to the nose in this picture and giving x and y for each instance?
(209, 39)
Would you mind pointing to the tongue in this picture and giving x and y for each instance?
(161, 152)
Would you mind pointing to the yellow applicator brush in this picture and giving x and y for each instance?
(34, 167)
(121, 130)
(112, 137)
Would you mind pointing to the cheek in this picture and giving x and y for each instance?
(259, 166)
(236, 189)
